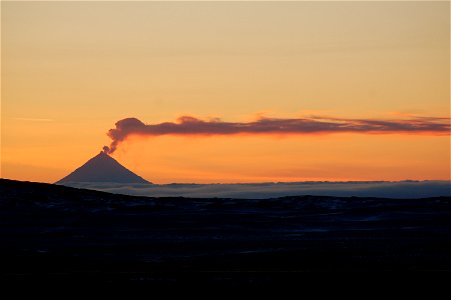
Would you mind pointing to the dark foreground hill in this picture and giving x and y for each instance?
(51, 233)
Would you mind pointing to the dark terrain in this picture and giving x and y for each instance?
(56, 233)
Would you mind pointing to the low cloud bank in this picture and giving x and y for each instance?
(401, 189)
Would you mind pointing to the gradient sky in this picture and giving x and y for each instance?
(71, 70)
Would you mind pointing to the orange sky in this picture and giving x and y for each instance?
(71, 70)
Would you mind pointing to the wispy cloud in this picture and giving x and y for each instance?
(34, 119)
(188, 125)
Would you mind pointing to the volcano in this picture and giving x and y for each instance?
(102, 168)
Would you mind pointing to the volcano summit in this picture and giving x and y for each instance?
(102, 168)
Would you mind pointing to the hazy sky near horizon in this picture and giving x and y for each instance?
(70, 70)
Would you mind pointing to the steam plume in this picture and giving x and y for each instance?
(187, 125)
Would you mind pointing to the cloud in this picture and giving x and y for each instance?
(187, 125)
(34, 119)
(399, 189)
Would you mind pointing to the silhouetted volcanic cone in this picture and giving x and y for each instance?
(102, 168)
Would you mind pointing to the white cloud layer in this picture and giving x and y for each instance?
(401, 189)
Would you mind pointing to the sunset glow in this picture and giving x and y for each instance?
(228, 92)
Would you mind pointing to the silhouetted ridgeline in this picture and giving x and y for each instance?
(56, 233)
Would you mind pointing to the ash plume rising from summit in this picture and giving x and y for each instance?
(188, 125)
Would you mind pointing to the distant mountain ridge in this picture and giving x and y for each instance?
(102, 168)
